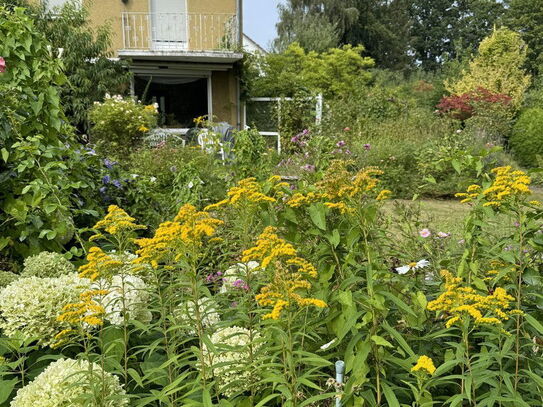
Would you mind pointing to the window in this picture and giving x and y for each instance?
(52, 5)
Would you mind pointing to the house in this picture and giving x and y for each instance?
(183, 54)
(252, 47)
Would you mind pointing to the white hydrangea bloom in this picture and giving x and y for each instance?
(229, 362)
(128, 295)
(129, 267)
(68, 382)
(236, 275)
(29, 306)
(207, 308)
(47, 264)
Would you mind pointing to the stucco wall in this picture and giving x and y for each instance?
(224, 87)
(205, 31)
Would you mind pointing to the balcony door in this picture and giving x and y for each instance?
(169, 24)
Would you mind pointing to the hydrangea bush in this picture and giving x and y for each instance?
(207, 312)
(233, 349)
(127, 297)
(7, 277)
(47, 264)
(73, 383)
(29, 306)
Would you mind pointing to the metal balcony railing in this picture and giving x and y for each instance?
(180, 31)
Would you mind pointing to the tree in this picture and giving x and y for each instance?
(86, 57)
(316, 25)
(441, 27)
(526, 17)
(383, 27)
(498, 68)
(333, 73)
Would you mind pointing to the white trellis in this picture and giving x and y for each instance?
(318, 114)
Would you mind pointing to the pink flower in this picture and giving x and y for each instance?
(443, 234)
(2, 65)
(347, 129)
(367, 146)
(425, 233)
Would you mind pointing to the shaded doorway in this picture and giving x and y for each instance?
(180, 99)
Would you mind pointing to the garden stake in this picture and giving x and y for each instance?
(340, 368)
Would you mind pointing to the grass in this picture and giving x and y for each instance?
(442, 215)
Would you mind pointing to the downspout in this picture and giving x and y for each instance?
(240, 46)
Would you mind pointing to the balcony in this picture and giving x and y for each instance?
(178, 34)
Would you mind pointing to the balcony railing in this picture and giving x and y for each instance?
(180, 32)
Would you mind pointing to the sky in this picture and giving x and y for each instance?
(259, 19)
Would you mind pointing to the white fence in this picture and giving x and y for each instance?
(318, 114)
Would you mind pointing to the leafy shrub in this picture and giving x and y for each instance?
(75, 383)
(250, 153)
(335, 72)
(47, 264)
(45, 182)
(29, 306)
(527, 139)
(119, 124)
(498, 67)
(467, 104)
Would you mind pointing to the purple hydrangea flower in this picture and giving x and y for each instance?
(109, 164)
(106, 180)
(103, 190)
(117, 183)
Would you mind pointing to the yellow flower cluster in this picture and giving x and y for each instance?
(459, 302)
(174, 239)
(507, 185)
(116, 222)
(289, 274)
(83, 314)
(424, 364)
(339, 187)
(247, 192)
(338, 183)
(297, 200)
(99, 264)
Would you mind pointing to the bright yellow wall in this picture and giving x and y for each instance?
(212, 6)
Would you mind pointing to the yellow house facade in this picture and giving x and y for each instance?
(182, 53)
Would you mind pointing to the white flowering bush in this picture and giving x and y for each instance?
(128, 296)
(235, 278)
(71, 383)
(47, 264)
(7, 277)
(29, 306)
(129, 267)
(230, 361)
(120, 123)
(187, 316)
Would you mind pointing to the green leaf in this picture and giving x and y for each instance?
(317, 214)
(379, 340)
(6, 388)
(5, 154)
(390, 396)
